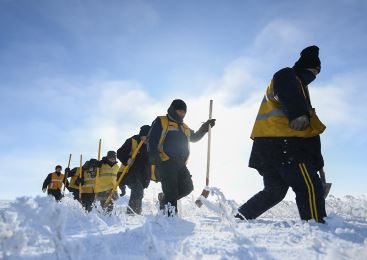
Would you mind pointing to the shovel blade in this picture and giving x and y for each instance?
(204, 195)
(327, 187)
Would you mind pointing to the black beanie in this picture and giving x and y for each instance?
(144, 130)
(309, 59)
(111, 154)
(178, 104)
(58, 167)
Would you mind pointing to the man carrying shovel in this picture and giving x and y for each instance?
(168, 149)
(286, 150)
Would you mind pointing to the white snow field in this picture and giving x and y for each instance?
(39, 228)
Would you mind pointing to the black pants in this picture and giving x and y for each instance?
(136, 197)
(304, 181)
(55, 193)
(87, 200)
(176, 182)
(75, 193)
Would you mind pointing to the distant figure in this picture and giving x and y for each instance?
(54, 183)
(287, 150)
(138, 176)
(168, 148)
(108, 169)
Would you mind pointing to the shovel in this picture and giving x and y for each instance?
(325, 185)
(205, 192)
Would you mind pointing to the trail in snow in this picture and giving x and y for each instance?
(39, 228)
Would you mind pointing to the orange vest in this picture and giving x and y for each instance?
(56, 181)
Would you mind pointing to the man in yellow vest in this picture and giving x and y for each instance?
(73, 187)
(87, 183)
(138, 177)
(108, 169)
(53, 183)
(287, 150)
(168, 148)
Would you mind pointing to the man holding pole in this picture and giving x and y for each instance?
(108, 169)
(168, 149)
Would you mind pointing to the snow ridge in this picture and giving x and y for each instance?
(39, 228)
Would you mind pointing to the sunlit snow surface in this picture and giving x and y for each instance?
(39, 228)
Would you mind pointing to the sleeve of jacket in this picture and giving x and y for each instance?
(123, 153)
(196, 136)
(154, 136)
(47, 181)
(288, 89)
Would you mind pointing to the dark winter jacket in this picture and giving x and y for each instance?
(140, 170)
(277, 151)
(175, 145)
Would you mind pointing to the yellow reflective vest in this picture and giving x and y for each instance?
(72, 182)
(56, 181)
(89, 182)
(168, 125)
(107, 177)
(272, 122)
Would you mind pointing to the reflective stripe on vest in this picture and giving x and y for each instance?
(168, 125)
(107, 177)
(56, 181)
(89, 183)
(271, 121)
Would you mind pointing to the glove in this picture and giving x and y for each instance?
(300, 123)
(44, 190)
(79, 181)
(205, 127)
(67, 170)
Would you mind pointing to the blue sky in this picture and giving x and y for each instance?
(72, 72)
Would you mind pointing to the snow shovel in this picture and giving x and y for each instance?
(126, 169)
(99, 158)
(325, 185)
(66, 176)
(80, 176)
(205, 192)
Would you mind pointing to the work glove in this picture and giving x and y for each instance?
(67, 170)
(79, 181)
(44, 190)
(205, 127)
(299, 123)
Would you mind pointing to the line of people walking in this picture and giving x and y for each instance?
(286, 152)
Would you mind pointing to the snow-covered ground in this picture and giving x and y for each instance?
(39, 228)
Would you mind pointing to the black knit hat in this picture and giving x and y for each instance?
(144, 130)
(309, 59)
(58, 167)
(178, 104)
(111, 154)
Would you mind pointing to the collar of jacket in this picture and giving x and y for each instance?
(105, 160)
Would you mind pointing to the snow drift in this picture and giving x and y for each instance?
(39, 228)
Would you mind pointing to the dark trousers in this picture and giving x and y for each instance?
(87, 200)
(304, 181)
(176, 182)
(136, 197)
(75, 193)
(55, 193)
